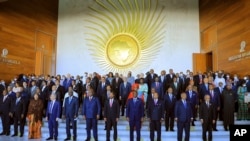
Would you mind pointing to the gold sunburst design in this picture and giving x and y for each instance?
(125, 35)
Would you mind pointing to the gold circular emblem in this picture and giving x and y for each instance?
(122, 50)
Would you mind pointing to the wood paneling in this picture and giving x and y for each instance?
(231, 19)
(24, 27)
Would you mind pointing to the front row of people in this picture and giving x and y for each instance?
(91, 111)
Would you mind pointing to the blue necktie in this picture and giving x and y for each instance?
(70, 98)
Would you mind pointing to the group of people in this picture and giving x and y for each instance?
(167, 97)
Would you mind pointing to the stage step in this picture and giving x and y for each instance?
(123, 131)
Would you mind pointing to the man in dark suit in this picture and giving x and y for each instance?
(111, 116)
(158, 87)
(150, 78)
(134, 115)
(193, 100)
(52, 116)
(155, 115)
(219, 90)
(91, 111)
(70, 112)
(125, 89)
(163, 80)
(67, 82)
(215, 99)
(183, 116)
(102, 93)
(169, 78)
(170, 100)
(176, 87)
(116, 82)
(18, 113)
(207, 118)
(5, 112)
(203, 89)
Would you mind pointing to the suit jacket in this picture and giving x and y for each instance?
(194, 100)
(158, 89)
(112, 112)
(169, 104)
(181, 113)
(169, 79)
(156, 111)
(177, 89)
(163, 81)
(102, 91)
(115, 86)
(45, 93)
(124, 91)
(149, 79)
(5, 107)
(56, 110)
(207, 113)
(60, 91)
(91, 108)
(66, 83)
(215, 99)
(135, 111)
(18, 108)
(71, 109)
(203, 91)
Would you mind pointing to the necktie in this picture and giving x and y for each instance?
(185, 104)
(110, 102)
(4, 98)
(170, 96)
(51, 107)
(17, 100)
(190, 94)
(212, 94)
(155, 101)
(70, 98)
(207, 104)
(134, 100)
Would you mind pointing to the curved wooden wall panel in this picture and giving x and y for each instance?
(224, 25)
(20, 23)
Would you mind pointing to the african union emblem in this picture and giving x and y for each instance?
(125, 34)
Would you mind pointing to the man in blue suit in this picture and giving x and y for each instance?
(134, 114)
(158, 87)
(91, 112)
(70, 112)
(125, 89)
(183, 116)
(215, 99)
(193, 99)
(52, 116)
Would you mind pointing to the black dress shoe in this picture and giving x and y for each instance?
(55, 138)
(2, 133)
(7, 134)
(66, 139)
(21, 135)
(171, 129)
(215, 130)
(14, 135)
(87, 140)
(49, 138)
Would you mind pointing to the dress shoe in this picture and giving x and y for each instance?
(171, 129)
(87, 140)
(2, 133)
(193, 124)
(21, 135)
(166, 129)
(49, 138)
(14, 135)
(66, 139)
(7, 134)
(215, 130)
(55, 138)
